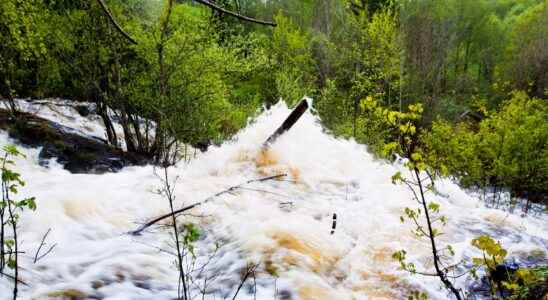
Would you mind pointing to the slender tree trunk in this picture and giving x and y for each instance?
(128, 136)
(180, 254)
(354, 117)
(13, 222)
(2, 214)
(439, 272)
(11, 103)
(109, 128)
(137, 131)
(160, 138)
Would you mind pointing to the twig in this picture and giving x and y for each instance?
(13, 278)
(234, 14)
(47, 252)
(178, 211)
(43, 243)
(264, 191)
(250, 270)
(157, 248)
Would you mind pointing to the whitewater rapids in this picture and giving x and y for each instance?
(282, 225)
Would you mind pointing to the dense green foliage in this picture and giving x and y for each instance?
(196, 74)
(508, 148)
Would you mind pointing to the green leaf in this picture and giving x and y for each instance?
(31, 203)
(11, 263)
(397, 177)
(434, 207)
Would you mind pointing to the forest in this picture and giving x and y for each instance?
(446, 98)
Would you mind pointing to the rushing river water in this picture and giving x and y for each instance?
(283, 225)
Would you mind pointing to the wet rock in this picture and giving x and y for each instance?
(481, 289)
(285, 295)
(203, 145)
(83, 110)
(97, 284)
(142, 284)
(68, 294)
(77, 153)
(503, 271)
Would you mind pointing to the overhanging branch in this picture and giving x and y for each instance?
(114, 23)
(234, 14)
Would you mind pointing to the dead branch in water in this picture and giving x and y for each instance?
(191, 206)
(297, 112)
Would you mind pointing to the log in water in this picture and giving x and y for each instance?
(293, 117)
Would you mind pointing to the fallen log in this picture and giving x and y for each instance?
(297, 113)
(191, 206)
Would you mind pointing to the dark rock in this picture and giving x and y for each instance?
(285, 295)
(533, 196)
(83, 110)
(202, 145)
(77, 153)
(481, 289)
(503, 271)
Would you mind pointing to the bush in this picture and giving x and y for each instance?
(509, 148)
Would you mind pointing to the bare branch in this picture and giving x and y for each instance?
(114, 22)
(178, 211)
(249, 270)
(234, 14)
(13, 278)
(37, 256)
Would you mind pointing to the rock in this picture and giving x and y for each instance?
(202, 145)
(83, 110)
(503, 271)
(77, 153)
(68, 294)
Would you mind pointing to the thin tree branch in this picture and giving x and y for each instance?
(42, 243)
(234, 14)
(178, 211)
(250, 270)
(107, 12)
(47, 252)
(13, 278)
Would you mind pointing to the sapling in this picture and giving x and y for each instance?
(182, 243)
(9, 214)
(406, 127)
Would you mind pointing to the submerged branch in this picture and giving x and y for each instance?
(178, 211)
